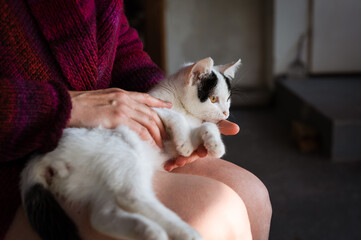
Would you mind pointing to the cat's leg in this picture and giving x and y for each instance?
(144, 202)
(178, 128)
(211, 137)
(108, 218)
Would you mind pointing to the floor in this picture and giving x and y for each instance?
(312, 197)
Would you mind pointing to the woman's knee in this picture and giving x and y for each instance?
(226, 218)
(257, 200)
(249, 187)
(263, 198)
(210, 206)
(258, 195)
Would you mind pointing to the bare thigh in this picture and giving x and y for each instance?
(211, 207)
(252, 191)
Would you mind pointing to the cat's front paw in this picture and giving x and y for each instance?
(184, 149)
(185, 233)
(151, 232)
(213, 144)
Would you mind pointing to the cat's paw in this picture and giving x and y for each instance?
(185, 148)
(213, 144)
(183, 231)
(151, 232)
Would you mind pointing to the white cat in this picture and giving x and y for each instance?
(111, 170)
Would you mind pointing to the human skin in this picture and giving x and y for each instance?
(242, 204)
(211, 207)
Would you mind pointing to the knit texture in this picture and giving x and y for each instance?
(47, 48)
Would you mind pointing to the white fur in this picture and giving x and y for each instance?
(111, 170)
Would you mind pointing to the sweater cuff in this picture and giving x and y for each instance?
(53, 131)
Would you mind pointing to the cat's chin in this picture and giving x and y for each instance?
(214, 120)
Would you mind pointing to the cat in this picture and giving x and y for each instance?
(110, 170)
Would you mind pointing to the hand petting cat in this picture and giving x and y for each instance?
(112, 107)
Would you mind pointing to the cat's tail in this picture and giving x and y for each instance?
(43, 211)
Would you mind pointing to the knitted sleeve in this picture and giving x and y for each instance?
(32, 116)
(133, 68)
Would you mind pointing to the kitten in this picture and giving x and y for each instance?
(110, 170)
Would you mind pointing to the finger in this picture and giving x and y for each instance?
(201, 151)
(151, 125)
(139, 101)
(150, 100)
(141, 131)
(228, 128)
(170, 165)
(181, 161)
(155, 117)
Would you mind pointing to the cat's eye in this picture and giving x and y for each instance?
(213, 99)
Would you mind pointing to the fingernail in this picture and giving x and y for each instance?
(168, 104)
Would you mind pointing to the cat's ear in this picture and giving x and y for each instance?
(200, 68)
(229, 70)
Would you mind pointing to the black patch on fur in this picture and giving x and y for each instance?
(47, 217)
(206, 86)
(228, 82)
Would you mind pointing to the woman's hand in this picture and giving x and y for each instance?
(112, 107)
(225, 127)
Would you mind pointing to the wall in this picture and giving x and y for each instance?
(335, 28)
(225, 30)
(265, 35)
(336, 44)
(290, 22)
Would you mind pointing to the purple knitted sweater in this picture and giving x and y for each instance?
(49, 47)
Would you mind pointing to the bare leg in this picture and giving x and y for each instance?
(245, 184)
(140, 199)
(20, 228)
(211, 207)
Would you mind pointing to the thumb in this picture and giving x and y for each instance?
(228, 128)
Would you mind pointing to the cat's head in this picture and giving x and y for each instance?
(208, 89)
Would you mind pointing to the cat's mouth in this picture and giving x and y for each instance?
(210, 121)
(216, 120)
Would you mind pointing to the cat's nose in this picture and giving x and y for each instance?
(225, 113)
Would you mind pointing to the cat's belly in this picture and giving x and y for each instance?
(87, 161)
